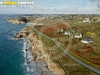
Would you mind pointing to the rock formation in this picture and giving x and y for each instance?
(45, 66)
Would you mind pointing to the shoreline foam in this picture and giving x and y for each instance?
(28, 59)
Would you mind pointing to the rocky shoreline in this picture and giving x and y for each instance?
(38, 60)
(14, 21)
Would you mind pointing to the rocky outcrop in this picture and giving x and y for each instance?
(14, 21)
(22, 34)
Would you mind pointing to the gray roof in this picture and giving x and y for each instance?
(88, 39)
(78, 34)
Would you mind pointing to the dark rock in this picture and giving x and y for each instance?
(21, 36)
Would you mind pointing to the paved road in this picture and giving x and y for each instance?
(70, 55)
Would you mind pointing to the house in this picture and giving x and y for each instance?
(86, 20)
(87, 40)
(67, 33)
(78, 35)
(61, 30)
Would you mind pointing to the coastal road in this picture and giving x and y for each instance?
(70, 55)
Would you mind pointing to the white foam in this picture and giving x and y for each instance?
(30, 66)
(28, 69)
(11, 38)
(31, 70)
(25, 63)
(24, 51)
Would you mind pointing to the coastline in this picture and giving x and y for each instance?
(33, 67)
(28, 59)
(37, 61)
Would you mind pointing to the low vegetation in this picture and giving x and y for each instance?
(61, 60)
(86, 52)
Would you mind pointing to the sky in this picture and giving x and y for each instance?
(55, 7)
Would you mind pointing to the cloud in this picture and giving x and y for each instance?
(28, 0)
(83, 3)
(93, 0)
(61, 9)
(95, 5)
(8, 0)
(86, 6)
(68, 9)
(20, 1)
(43, 8)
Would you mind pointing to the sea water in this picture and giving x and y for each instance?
(11, 50)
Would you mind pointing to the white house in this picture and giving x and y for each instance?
(87, 40)
(78, 35)
(67, 33)
(86, 20)
(61, 30)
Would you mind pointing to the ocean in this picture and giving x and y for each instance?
(12, 60)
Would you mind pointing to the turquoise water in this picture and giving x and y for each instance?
(11, 50)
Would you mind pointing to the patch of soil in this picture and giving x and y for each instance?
(66, 43)
(62, 26)
(95, 61)
(83, 50)
(51, 31)
(87, 50)
(74, 42)
(38, 27)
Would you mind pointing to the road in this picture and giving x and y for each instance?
(70, 55)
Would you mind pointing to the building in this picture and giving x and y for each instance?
(86, 20)
(78, 35)
(67, 33)
(87, 40)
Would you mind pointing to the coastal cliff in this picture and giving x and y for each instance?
(16, 20)
(44, 65)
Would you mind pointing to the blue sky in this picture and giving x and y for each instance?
(55, 7)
